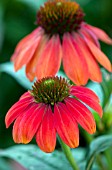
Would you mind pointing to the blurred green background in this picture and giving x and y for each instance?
(17, 19)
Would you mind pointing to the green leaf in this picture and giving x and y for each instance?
(4, 165)
(106, 86)
(19, 76)
(32, 158)
(100, 144)
(103, 89)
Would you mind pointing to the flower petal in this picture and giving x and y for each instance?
(66, 126)
(29, 124)
(91, 63)
(31, 66)
(49, 62)
(46, 134)
(81, 114)
(17, 125)
(84, 91)
(26, 48)
(100, 34)
(73, 61)
(26, 95)
(17, 109)
(89, 99)
(98, 54)
(90, 35)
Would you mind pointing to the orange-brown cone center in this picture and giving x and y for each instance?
(60, 16)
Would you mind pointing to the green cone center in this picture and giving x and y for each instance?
(50, 90)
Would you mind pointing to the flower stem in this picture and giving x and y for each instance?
(69, 155)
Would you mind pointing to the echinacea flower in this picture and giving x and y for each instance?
(53, 107)
(62, 35)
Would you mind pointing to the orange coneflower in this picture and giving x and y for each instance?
(62, 35)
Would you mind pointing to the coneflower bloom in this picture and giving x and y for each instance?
(53, 106)
(62, 35)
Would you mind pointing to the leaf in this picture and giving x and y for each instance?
(4, 165)
(19, 76)
(103, 89)
(106, 86)
(97, 89)
(32, 158)
(100, 144)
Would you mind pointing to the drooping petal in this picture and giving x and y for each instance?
(91, 63)
(31, 66)
(82, 59)
(18, 125)
(66, 126)
(49, 62)
(27, 39)
(81, 114)
(98, 54)
(90, 35)
(46, 134)
(73, 61)
(29, 124)
(88, 98)
(26, 48)
(84, 91)
(100, 34)
(17, 109)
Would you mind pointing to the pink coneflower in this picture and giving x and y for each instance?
(53, 107)
(62, 35)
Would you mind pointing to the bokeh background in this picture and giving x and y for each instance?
(17, 19)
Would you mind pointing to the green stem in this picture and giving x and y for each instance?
(69, 155)
(100, 162)
(89, 139)
(109, 159)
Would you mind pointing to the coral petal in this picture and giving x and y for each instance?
(66, 126)
(82, 115)
(73, 61)
(50, 59)
(91, 63)
(26, 48)
(90, 35)
(98, 54)
(100, 34)
(31, 66)
(46, 134)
